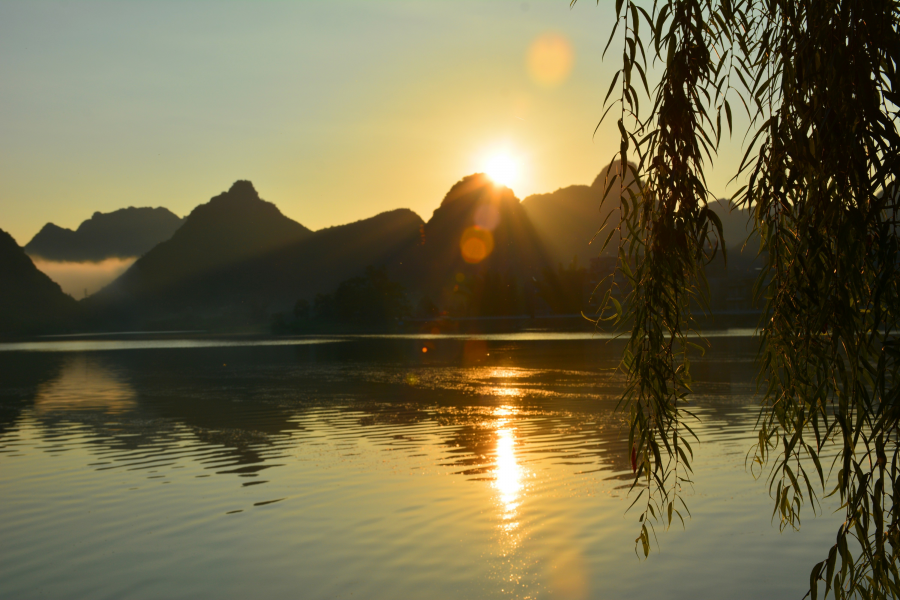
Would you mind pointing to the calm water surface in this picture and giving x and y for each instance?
(489, 467)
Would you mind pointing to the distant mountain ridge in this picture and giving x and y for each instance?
(124, 233)
(30, 302)
(232, 228)
(238, 254)
(569, 219)
(238, 259)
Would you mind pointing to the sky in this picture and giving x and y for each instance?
(336, 111)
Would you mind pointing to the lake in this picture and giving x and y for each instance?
(370, 467)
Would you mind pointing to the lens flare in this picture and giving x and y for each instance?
(487, 216)
(476, 244)
(474, 250)
(550, 59)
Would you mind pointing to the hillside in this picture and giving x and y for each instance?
(478, 242)
(231, 228)
(29, 301)
(569, 218)
(237, 259)
(320, 262)
(124, 233)
(238, 255)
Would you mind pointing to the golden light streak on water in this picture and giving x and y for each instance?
(504, 411)
(507, 392)
(504, 373)
(508, 474)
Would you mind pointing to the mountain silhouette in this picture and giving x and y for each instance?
(231, 228)
(317, 264)
(124, 233)
(30, 302)
(479, 235)
(569, 218)
(477, 203)
(239, 254)
(737, 227)
(237, 257)
(238, 260)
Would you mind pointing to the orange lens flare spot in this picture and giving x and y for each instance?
(550, 59)
(474, 250)
(476, 244)
(424, 349)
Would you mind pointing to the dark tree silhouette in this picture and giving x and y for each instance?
(370, 301)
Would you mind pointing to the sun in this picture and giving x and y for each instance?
(502, 169)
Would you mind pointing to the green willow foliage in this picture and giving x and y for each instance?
(816, 79)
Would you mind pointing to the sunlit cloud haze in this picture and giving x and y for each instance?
(80, 279)
(335, 110)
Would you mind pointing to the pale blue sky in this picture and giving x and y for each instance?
(335, 110)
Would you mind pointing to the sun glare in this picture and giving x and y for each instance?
(502, 169)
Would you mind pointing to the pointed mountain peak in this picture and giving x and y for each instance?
(240, 194)
(226, 232)
(240, 206)
(243, 188)
(52, 227)
(240, 211)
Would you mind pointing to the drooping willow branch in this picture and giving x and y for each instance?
(816, 79)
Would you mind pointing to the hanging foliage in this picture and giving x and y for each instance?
(816, 80)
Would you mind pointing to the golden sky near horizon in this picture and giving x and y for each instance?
(336, 111)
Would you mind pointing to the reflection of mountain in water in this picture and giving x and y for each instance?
(22, 374)
(247, 407)
(84, 384)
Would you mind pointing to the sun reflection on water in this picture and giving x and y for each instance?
(505, 391)
(505, 373)
(510, 487)
(508, 474)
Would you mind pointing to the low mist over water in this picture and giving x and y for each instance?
(80, 279)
